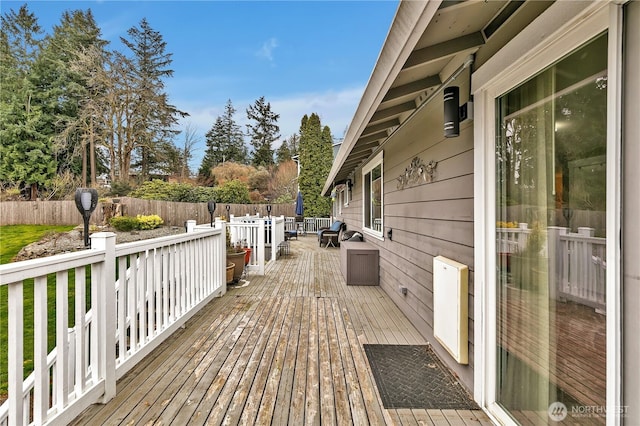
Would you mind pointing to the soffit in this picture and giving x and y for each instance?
(448, 31)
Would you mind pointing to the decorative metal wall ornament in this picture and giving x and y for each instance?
(417, 170)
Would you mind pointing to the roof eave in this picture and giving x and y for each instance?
(409, 23)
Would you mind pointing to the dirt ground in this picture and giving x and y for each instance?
(73, 241)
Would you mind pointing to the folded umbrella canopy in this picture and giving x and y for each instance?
(299, 205)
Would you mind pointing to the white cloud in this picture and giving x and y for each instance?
(266, 51)
(335, 108)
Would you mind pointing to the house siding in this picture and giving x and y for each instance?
(428, 219)
(437, 218)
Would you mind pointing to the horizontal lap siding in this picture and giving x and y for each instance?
(427, 219)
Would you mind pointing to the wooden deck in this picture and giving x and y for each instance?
(285, 349)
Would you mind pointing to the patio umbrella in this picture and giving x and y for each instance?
(299, 206)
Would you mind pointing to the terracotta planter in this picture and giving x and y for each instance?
(247, 255)
(238, 260)
(230, 268)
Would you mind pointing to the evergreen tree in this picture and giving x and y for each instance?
(264, 132)
(62, 90)
(155, 118)
(288, 149)
(25, 152)
(225, 142)
(315, 156)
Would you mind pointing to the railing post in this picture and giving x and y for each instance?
(261, 247)
(220, 253)
(523, 236)
(105, 311)
(190, 226)
(553, 252)
(274, 242)
(16, 351)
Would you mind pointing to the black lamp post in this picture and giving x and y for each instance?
(269, 209)
(86, 202)
(211, 206)
(228, 207)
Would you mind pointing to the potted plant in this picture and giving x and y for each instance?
(235, 257)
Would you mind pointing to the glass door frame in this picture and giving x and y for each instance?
(570, 25)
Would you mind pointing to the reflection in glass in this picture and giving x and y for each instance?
(373, 199)
(550, 238)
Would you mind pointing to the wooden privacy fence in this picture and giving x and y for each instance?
(173, 213)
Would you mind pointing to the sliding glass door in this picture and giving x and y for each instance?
(551, 240)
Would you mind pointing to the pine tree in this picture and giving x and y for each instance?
(154, 121)
(25, 153)
(62, 90)
(225, 142)
(288, 149)
(264, 132)
(315, 156)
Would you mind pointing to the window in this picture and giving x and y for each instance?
(372, 196)
(347, 195)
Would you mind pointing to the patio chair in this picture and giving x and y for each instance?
(331, 236)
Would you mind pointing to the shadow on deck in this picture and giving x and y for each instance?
(284, 349)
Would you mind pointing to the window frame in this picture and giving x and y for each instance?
(366, 202)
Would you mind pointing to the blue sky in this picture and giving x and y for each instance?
(302, 56)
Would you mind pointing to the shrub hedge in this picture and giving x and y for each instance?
(140, 222)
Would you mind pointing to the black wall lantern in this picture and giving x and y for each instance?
(211, 206)
(86, 202)
(453, 112)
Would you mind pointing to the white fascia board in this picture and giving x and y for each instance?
(409, 23)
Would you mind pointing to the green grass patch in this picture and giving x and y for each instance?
(12, 239)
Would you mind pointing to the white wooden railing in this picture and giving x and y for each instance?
(140, 293)
(582, 269)
(577, 261)
(312, 224)
(290, 224)
(258, 233)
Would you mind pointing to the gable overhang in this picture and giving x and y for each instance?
(428, 42)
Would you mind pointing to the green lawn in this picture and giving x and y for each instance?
(12, 239)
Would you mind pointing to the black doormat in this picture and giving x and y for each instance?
(411, 376)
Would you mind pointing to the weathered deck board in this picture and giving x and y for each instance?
(285, 349)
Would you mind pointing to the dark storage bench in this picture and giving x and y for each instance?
(359, 263)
